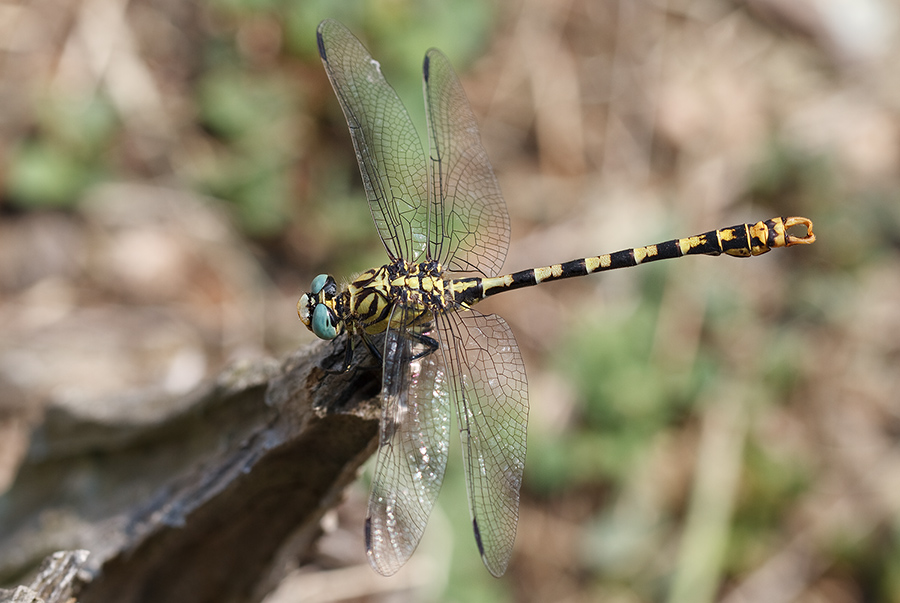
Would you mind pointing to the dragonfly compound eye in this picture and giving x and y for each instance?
(324, 324)
(319, 283)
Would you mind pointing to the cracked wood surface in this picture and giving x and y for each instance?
(204, 497)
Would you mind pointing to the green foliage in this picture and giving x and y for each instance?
(253, 113)
(772, 484)
(252, 116)
(67, 152)
(41, 175)
(627, 398)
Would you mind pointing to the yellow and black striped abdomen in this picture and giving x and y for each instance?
(743, 240)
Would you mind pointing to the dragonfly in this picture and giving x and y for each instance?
(445, 227)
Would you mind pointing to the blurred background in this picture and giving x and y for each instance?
(173, 174)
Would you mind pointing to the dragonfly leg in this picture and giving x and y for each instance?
(349, 347)
(431, 345)
(348, 358)
(373, 349)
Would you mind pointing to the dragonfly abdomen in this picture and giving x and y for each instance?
(742, 240)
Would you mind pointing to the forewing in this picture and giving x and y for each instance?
(487, 375)
(468, 220)
(412, 453)
(389, 152)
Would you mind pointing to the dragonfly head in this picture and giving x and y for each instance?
(317, 309)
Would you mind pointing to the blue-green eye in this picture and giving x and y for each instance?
(323, 324)
(318, 283)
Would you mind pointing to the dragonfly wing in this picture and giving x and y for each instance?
(468, 220)
(388, 149)
(412, 453)
(487, 375)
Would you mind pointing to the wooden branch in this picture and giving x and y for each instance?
(56, 582)
(202, 498)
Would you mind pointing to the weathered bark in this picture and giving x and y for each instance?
(206, 498)
(60, 575)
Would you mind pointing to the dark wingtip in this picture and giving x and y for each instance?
(368, 534)
(425, 66)
(477, 533)
(320, 41)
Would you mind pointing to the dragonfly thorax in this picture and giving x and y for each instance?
(374, 293)
(364, 307)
